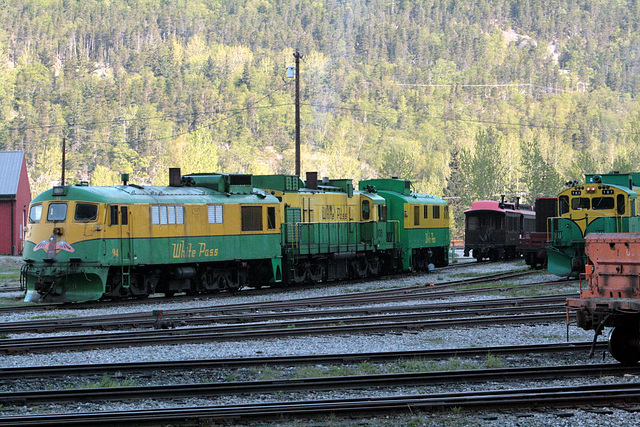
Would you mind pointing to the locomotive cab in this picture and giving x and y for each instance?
(59, 262)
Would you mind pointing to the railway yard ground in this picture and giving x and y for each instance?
(414, 350)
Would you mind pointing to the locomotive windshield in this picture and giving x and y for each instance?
(580, 203)
(57, 212)
(35, 213)
(602, 203)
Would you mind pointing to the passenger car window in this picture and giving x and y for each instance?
(57, 212)
(86, 212)
(473, 223)
(35, 214)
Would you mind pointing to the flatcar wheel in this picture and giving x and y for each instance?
(623, 344)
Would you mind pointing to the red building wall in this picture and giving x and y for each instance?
(13, 216)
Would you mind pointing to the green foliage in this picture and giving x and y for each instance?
(484, 168)
(434, 92)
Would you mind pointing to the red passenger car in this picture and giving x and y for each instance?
(492, 228)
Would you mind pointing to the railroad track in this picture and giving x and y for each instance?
(243, 332)
(171, 391)
(12, 309)
(257, 312)
(599, 394)
(247, 362)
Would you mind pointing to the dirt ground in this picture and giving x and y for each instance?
(10, 263)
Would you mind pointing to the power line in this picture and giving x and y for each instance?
(495, 85)
(494, 122)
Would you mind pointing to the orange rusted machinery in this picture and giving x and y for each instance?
(612, 298)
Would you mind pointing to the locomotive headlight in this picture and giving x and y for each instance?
(59, 190)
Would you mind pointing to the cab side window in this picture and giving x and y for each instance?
(621, 204)
(365, 210)
(563, 205)
(86, 212)
(113, 215)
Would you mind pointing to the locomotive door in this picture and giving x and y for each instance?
(120, 217)
(292, 221)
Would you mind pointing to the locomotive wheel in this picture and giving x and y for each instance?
(623, 344)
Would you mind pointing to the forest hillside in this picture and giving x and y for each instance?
(467, 99)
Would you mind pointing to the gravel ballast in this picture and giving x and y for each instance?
(343, 343)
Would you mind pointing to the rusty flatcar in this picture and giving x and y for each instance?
(611, 296)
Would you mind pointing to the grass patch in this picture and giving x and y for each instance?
(365, 368)
(106, 382)
(266, 373)
(451, 364)
(494, 362)
(398, 367)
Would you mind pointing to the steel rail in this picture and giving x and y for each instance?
(165, 391)
(599, 394)
(244, 362)
(12, 309)
(255, 331)
(202, 316)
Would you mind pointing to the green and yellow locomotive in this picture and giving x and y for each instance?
(210, 232)
(606, 203)
(203, 233)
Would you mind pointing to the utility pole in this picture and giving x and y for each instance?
(297, 55)
(64, 152)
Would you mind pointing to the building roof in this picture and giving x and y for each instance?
(10, 168)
